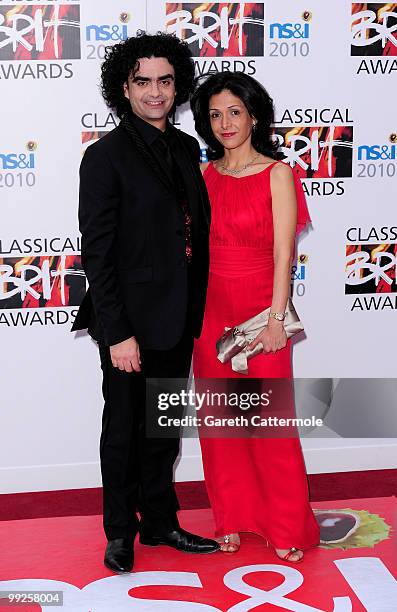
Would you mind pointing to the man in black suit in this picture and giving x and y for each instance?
(144, 218)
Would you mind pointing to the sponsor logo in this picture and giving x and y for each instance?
(376, 152)
(374, 33)
(44, 288)
(371, 234)
(40, 246)
(290, 38)
(88, 138)
(356, 571)
(378, 160)
(374, 29)
(321, 153)
(370, 268)
(99, 36)
(299, 276)
(17, 161)
(39, 32)
(288, 30)
(210, 66)
(108, 33)
(318, 152)
(219, 30)
(18, 169)
(37, 282)
(95, 121)
(315, 116)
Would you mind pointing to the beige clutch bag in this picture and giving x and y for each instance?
(231, 346)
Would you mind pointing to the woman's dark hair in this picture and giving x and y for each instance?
(122, 59)
(256, 99)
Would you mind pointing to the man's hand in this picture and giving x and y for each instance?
(125, 355)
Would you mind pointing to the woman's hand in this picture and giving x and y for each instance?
(272, 338)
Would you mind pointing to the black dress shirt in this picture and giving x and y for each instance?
(164, 145)
(166, 148)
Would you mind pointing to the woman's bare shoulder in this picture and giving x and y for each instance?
(281, 172)
(203, 167)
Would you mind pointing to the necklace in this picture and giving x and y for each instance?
(238, 170)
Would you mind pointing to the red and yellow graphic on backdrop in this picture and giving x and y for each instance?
(41, 281)
(219, 29)
(371, 268)
(318, 152)
(374, 28)
(40, 32)
(88, 138)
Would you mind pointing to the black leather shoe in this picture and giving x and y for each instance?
(119, 555)
(181, 540)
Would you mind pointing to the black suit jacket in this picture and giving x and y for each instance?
(133, 242)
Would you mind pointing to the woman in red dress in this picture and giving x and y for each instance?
(258, 206)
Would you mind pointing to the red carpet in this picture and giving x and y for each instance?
(192, 495)
(358, 573)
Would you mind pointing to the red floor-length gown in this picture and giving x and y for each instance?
(254, 484)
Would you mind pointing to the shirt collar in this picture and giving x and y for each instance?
(148, 131)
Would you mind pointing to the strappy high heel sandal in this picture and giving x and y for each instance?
(287, 557)
(227, 545)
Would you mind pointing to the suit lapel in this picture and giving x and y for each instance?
(190, 179)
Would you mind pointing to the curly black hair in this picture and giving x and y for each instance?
(121, 60)
(256, 99)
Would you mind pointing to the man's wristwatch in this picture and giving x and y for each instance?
(279, 316)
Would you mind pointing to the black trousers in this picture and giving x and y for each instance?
(137, 471)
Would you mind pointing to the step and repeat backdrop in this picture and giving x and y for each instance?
(330, 68)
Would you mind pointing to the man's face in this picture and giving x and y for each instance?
(151, 91)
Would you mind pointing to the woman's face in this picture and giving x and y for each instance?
(230, 121)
